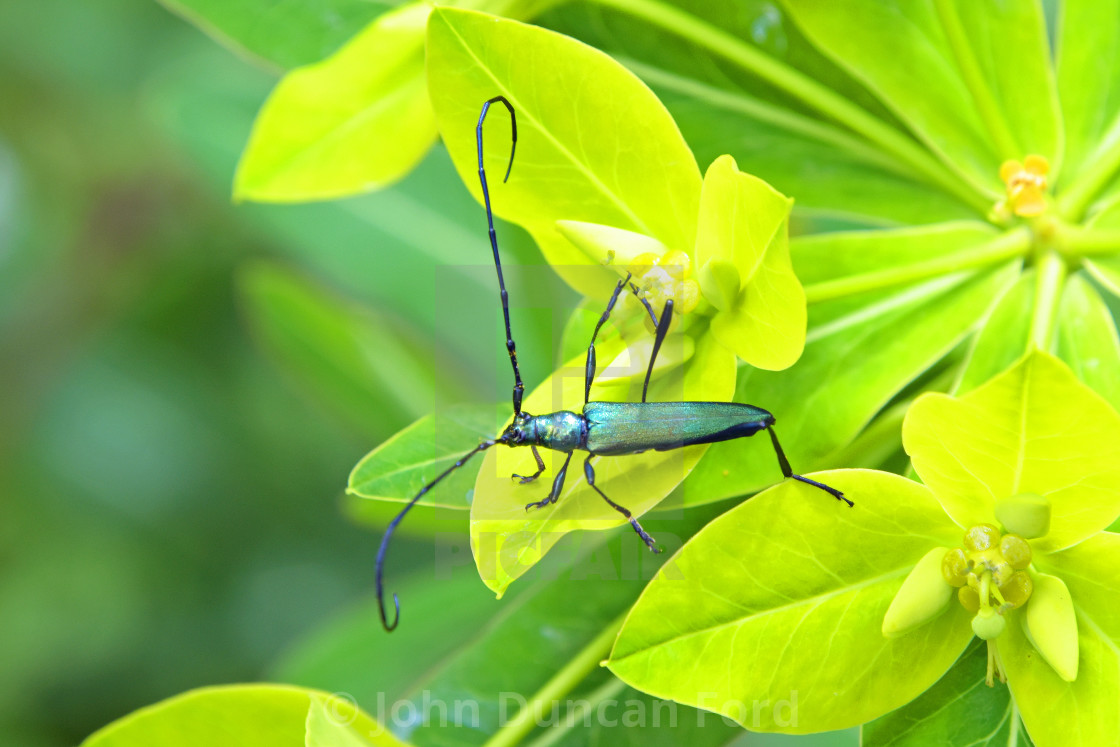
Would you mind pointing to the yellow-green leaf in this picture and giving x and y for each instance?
(1084, 711)
(744, 221)
(507, 540)
(358, 120)
(593, 143)
(785, 595)
(1087, 339)
(1035, 429)
(244, 716)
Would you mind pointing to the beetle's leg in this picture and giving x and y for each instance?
(557, 486)
(589, 472)
(589, 375)
(540, 468)
(662, 330)
(788, 471)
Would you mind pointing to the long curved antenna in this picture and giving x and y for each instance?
(518, 386)
(393, 526)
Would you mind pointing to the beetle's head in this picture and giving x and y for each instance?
(519, 431)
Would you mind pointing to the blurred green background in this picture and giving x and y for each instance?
(173, 440)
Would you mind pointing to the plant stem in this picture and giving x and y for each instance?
(1047, 291)
(608, 690)
(561, 683)
(807, 90)
(1074, 201)
(1089, 242)
(1006, 246)
(986, 105)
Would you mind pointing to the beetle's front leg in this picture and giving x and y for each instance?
(557, 486)
(540, 468)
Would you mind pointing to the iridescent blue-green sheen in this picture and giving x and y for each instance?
(560, 431)
(630, 427)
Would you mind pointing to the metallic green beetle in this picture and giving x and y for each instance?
(603, 428)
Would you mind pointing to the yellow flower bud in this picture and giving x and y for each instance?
(955, 567)
(677, 263)
(1051, 624)
(1017, 590)
(1026, 514)
(1015, 550)
(981, 537)
(642, 264)
(922, 597)
(1026, 184)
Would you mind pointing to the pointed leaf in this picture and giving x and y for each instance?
(1034, 429)
(1106, 271)
(727, 109)
(242, 716)
(609, 245)
(853, 364)
(960, 709)
(1003, 338)
(397, 469)
(912, 57)
(1087, 339)
(358, 120)
(1090, 92)
(779, 598)
(507, 539)
(579, 156)
(830, 173)
(745, 222)
(1052, 708)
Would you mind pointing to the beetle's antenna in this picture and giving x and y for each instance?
(393, 526)
(518, 386)
(787, 471)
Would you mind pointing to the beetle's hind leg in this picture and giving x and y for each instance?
(787, 471)
(589, 472)
(540, 468)
(557, 483)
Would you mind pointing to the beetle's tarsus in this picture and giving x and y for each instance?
(838, 495)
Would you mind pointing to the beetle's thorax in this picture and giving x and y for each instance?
(559, 431)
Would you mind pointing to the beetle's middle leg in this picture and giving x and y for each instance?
(589, 472)
(557, 486)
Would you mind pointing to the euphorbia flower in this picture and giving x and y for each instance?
(1026, 185)
(1022, 479)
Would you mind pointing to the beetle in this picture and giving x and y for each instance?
(602, 428)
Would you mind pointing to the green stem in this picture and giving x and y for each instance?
(1075, 200)
(1014, 243)
(1089, 242)
(1051, 271)
(804, 88)
(989, 111)
(562, 683)
(607, 691)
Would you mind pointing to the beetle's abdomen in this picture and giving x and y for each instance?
(560, 431)
(630, 427)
